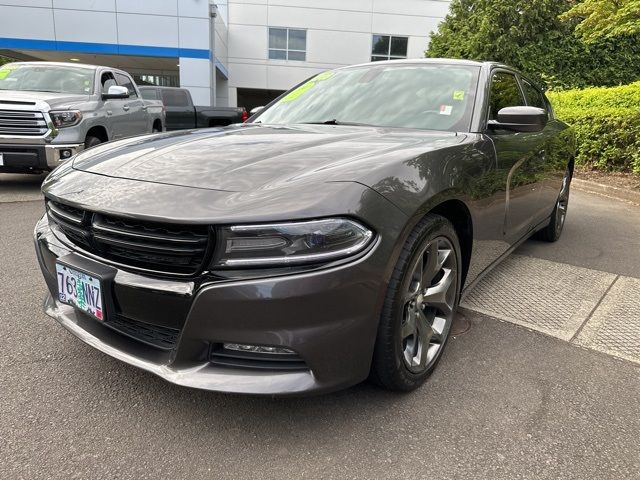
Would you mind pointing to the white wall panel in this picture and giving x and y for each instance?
(417, 46)
(14, 23)
(149, 30)
(340, 48)
(195, 72)
(247, 76)
(194, 33)
(91, 5)
(235, 3)
(26, 3)
(403, 24)
(248, 42)
(83, 26)
(248, 14)
(412, 7)
(193, 8)
(345, 5)
(321, 19)
(154, 7)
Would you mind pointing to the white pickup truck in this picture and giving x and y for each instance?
(50, 111)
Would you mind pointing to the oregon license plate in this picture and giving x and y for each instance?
(80, 290)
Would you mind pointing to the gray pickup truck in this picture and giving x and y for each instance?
(50, 111)
(182, 114)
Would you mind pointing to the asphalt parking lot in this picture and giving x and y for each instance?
(543, 385)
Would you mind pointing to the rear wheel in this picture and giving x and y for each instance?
(421, 301)
(553, 231)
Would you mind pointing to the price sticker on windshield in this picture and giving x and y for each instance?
(446, 109)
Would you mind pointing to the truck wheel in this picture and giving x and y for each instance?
(91, 141)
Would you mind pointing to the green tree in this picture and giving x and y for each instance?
(529, 35)
(605, 18)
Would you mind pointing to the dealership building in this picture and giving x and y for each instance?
(226, 52)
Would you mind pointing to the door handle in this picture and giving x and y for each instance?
(109, 113)
(144, 107)
(126, 108)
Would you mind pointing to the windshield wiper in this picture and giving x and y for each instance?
(338, 122)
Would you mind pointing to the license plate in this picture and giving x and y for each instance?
(1, 159)
(81, 290)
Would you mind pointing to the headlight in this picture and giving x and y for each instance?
(66, 118)
(295, 243)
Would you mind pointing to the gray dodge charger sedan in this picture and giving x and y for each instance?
(327, 240)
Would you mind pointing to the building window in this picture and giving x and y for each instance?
(386, 47)
(287, 44)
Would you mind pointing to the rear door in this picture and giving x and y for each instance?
(520, 159)
(136, 118)
(180, 111)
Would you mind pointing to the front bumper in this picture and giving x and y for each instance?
(328, 317)
(24, 158)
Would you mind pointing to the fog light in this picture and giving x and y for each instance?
(257, 349)
(66, 153)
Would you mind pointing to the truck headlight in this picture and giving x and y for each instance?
(291, 243)
(65, 118)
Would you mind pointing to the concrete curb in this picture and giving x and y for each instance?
(610, 191)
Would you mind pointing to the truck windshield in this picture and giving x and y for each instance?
(47, 78)
(427, 96)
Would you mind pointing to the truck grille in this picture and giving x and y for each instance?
(26, 123)
(148, 246)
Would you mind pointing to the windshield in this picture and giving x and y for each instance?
(46, 78)
(431, 97)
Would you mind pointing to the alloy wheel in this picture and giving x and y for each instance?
(428, 304)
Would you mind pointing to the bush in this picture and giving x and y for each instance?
(607, 125)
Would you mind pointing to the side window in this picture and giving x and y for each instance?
(125, 81)
(534, 96)
(149, 93)
(505, 92)
(107, 80)
(175, 98)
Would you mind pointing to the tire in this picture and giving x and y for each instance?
(553, 231)
(91, 141)
(403, 360)
(156, 130)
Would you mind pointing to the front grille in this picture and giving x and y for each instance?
(26, 123)
(157, 336)
(223, 357)
(149, 246)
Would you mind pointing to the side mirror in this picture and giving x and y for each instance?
(520, 119)
(116, 92)
(255, 110)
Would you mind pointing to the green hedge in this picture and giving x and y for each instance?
(607, 125)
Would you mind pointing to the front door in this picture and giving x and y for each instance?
(520, 160)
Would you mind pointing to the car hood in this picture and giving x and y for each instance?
(251, 157)
(54, 100)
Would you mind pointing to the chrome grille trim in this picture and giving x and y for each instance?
(23, 123)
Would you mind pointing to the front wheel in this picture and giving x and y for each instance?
(421, 301)
(91, 141)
